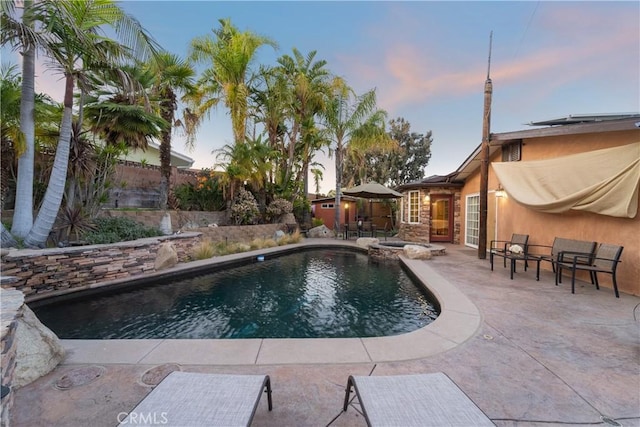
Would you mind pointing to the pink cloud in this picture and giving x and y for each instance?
(563, 45)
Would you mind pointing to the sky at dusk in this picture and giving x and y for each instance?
(427, 60)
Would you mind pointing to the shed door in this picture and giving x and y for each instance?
(441, 218)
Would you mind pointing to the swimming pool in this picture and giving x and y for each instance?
(319, 293)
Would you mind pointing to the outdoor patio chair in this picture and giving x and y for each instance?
(552, 253)
(514, 250)
(414, 400)
(606, 260)
(197, 399)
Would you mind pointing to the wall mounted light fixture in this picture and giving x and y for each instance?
(500, 191)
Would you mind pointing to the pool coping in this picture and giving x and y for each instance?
(458, 321)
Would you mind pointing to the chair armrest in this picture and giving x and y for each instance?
(546, 248)
(575, 256)
(505, 243)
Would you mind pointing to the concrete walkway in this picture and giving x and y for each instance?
(526, 352)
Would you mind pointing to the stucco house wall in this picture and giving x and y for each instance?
(509, 217)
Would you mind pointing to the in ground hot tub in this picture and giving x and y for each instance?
(392, 248)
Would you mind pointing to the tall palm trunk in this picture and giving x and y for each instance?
(23, 212)
(339, 155)
(39, 233)
(165, 152)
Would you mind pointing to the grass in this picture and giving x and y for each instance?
(208, 249)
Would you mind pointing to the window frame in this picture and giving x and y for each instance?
(411, 208)
(469, 231)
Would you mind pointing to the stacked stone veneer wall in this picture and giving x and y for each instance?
(421, 231)
(11, 302)
(48, 271)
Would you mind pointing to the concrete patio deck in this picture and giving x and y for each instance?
(526, 352)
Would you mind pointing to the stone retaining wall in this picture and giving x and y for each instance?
(43, 271)
(179, 219)
(47, 270)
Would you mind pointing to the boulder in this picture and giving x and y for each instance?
(279, 234)
(38, 349)
(320, 231)
(365, 242)
(416, 252)
(166, 257)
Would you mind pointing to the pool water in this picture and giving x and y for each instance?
(320, 293)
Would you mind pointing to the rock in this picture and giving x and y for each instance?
(166, 257)
(320, 231)
(38, 350)
(365, 242)
(416, 252)
(278, 234)
(165, 224)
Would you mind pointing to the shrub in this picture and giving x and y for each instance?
(119, 229)
(317, 222)
(205, 195)
(244, 210)
(277, 208)
(204, 250)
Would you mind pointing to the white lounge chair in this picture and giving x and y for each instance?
(189, 399)
(414, 400)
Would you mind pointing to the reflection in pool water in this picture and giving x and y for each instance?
(321, 293)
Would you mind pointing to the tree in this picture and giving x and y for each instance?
(392, 167)
(172, 76)
(229, 53)
(354, 121)
(309, 87)
(74, 31)
(22, 37)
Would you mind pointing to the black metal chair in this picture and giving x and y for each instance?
(606, 260)
(514, 250)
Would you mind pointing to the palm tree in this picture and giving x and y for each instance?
(173, 76)
(76, 42)
(352, 120)
(21, 36)
(310, 88)
(229, 54)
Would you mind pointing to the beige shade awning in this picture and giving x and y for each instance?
(601, 181)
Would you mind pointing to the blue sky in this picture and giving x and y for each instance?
(428, 60)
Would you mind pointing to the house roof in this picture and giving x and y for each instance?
(585, 118)
(572, 125)
(177, 159)
(449, 180)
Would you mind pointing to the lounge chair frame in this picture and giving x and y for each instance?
(199, 399)
(414, 400)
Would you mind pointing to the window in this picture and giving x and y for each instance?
(512, 152)
(327, 206)
(414, 207)
(472, 221)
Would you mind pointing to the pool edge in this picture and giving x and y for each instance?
(458, 321)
